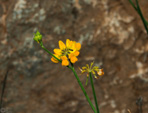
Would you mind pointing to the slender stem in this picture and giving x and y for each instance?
(133, 4)
(89, 101)
(41, 44)
(93, 89)
(141, 15)
(137, 8)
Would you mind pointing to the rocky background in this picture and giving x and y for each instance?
(112, 35)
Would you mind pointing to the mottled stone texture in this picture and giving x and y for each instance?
(112, 35)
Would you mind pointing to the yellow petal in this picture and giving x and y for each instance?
(65, 63)
(54, 60)
(57, 51)
(82, 71)
(63, 57)
(73, 45)
(78, 46)
(62, 45)
(71, 55)
(73, 59)
(76, 53)
(67, 43)
(84, 68)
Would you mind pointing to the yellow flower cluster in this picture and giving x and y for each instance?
(67, 52)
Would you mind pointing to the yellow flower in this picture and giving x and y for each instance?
(90, 69)
(67, 52)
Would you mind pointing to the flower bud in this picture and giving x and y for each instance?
(38, 37)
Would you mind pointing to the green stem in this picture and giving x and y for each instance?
(41, 44)
(137, 8)
(141, 15)
(89, 101)
(133, 4)
(93, 89)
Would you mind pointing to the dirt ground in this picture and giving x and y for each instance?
(112, 35)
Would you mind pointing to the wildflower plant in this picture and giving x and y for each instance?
(67, 55)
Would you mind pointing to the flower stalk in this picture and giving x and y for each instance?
(80, 84)
(93, 89)
(42, 46)
(137, 8)
(38, 39)
(67, 55)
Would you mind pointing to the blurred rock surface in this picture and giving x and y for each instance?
(111, 34)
